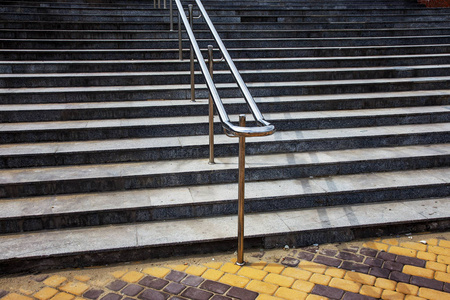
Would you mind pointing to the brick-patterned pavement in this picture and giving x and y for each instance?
(409, 268)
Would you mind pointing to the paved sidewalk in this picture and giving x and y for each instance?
(410, 267)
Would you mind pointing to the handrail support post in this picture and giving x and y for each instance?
(241, 195)
(191, 22)
(180, 40)
(211, 107)
(171, 14)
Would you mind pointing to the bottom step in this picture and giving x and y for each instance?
(112, 244)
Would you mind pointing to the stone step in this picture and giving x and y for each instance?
(298, 227)
(138, 133)
(255, 17)
(227, 90)
(221, 26)
(63, 66)
(232, 10)
(203, 34)
(176, 108)
(235, 43)
(296, 191)
(220, 76)
(16, 183)
(235, 53)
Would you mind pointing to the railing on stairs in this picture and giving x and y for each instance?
(242, 131)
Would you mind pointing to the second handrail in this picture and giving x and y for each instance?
(265, 127)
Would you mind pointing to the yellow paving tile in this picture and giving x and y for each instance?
(258, 265)
(422, 272)
(432, 294)
(159, 272)
(312, 267)
(426, 256)
(302, 285)
(413, 245)
(262, 287)
(335, 272)
(25, 291)
(393, 242)
(83, 278)
(132, 276)
(54, 280)
(411, 297)
(234, 280)
(441, 276)
(267, 297)
(14, 296)
(213, 274)
(213, 265)
(290, 294)
(46, 293)
(385, 284)
(376, 246)
(120, 273)
(297, 273)
(432, 265)
(433, 242)
(439, 250)
(63, 296)
(443, 259)
(345, 285)
(371, 291)
(320, 279)
(179, 267)
(76, 288)
(316, 297)
(252, 273)
(361, 278)
(230, 268)
(407, 289)
(279, 280)
(402, 251)
(196, 270)
(444, 243)
(391, 295)
(274, 268)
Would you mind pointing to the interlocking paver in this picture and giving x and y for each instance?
(346, 285)
(371, 291)
(157, 271)
(252, 273)
(213, 274)
(262, 287)
(76, 288)
(45, 293)
(290, 294)
(153, 282)
(407, 289)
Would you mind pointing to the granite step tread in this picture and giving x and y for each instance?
(201, 230)
(202, 102)
(219, 193)
(279, 117)
(44, 90)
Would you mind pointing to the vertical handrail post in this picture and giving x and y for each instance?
(241, 195)
(159, 3)
(191, 22)
(154, 3)
(180, 40)
(165, 7)
(211, 107)
(171, 15)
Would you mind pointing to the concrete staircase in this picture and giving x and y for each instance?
(104, 158)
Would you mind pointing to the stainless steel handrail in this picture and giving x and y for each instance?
(264, 128)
